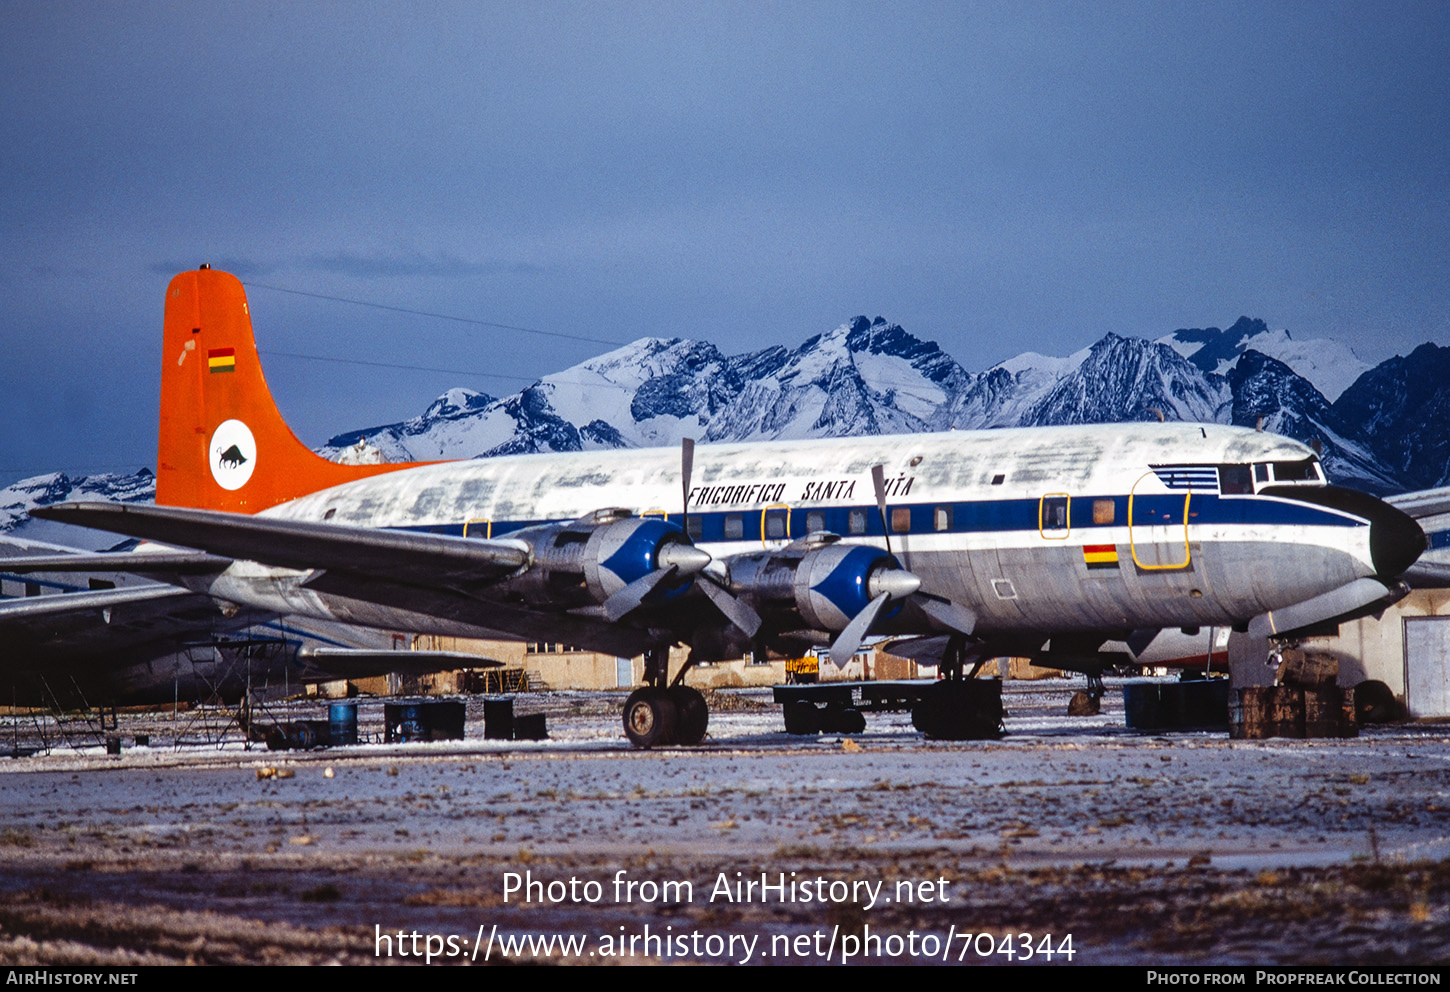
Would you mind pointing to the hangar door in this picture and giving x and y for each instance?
(1427, 666)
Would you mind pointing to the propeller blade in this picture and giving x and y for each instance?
(735, 611)
(687, 468)
(625, 601)
(878, 482)
(944, 611)
(850, 640)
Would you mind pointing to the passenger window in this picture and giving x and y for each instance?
(815, 521)
(856, 522)
(1104, 511)
(901, 519)
(696, 528)
(734, 527)
(942, 518)
(775, 525)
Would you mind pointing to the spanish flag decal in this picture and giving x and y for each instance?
(1100, 555)
(221, 359)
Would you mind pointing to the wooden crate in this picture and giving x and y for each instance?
(1258, 712)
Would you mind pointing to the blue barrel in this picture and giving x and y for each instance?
(1142, 705)
(342, 724)
(412, 723)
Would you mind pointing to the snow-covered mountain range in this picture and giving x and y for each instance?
(1378, 427)
(1381, 428)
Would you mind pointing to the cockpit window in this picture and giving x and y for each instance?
(1234, 480)
(1305, 471)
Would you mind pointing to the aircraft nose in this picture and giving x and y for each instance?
(1395, 540)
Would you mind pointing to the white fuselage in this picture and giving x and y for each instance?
(1090, 528)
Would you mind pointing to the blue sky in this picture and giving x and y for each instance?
(995, 177)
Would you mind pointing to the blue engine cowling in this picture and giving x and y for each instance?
(617, 553)
(825, 586)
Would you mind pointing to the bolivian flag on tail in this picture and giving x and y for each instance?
(1100, 555)
(221, 359)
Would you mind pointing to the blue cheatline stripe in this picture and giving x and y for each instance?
(1439, 539)
(995, 516)
(31, 577)
(290, 634)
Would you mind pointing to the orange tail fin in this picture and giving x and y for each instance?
(223, 443)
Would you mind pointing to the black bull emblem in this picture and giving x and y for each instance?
(231, 458)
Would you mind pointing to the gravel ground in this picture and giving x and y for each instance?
(1071, 840)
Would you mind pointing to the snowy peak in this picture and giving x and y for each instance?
(1130, 379)
(1401, 407)
(1269, 395)
(18, 499)
(455, 403)
(1329, 365)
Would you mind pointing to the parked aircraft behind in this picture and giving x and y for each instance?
(119, 639)
(1041, 542)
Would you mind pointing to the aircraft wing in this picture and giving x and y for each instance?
(1422, 504)
(403, 556)
(1431, 510)
(137, 563)
(75, 624)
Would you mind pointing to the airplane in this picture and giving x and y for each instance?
(1038, 542)
(121, 640)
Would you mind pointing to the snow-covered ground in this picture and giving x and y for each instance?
(1149, 848)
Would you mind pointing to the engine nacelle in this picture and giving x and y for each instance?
(585, 561)
(825, 586)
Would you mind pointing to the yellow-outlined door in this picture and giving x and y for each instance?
(1144, 525)
(472, 528)
(1054, 516)
(775, 517)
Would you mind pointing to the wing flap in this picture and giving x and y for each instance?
(135, 563)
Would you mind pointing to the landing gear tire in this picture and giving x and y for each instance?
(1375, 702)
(842, 720)
(651, 717)
(802, 718)
(960, 710)
(694, 714)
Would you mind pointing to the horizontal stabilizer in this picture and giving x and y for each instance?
(1428, 575)
(1355, 599)
(359, 663)
(404, 556)
(32, 608)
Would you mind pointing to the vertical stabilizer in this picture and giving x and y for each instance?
(223, 444)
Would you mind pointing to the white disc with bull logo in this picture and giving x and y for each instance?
(233, 454)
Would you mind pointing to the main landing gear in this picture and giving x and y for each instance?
(659, 714)
(959, 707)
